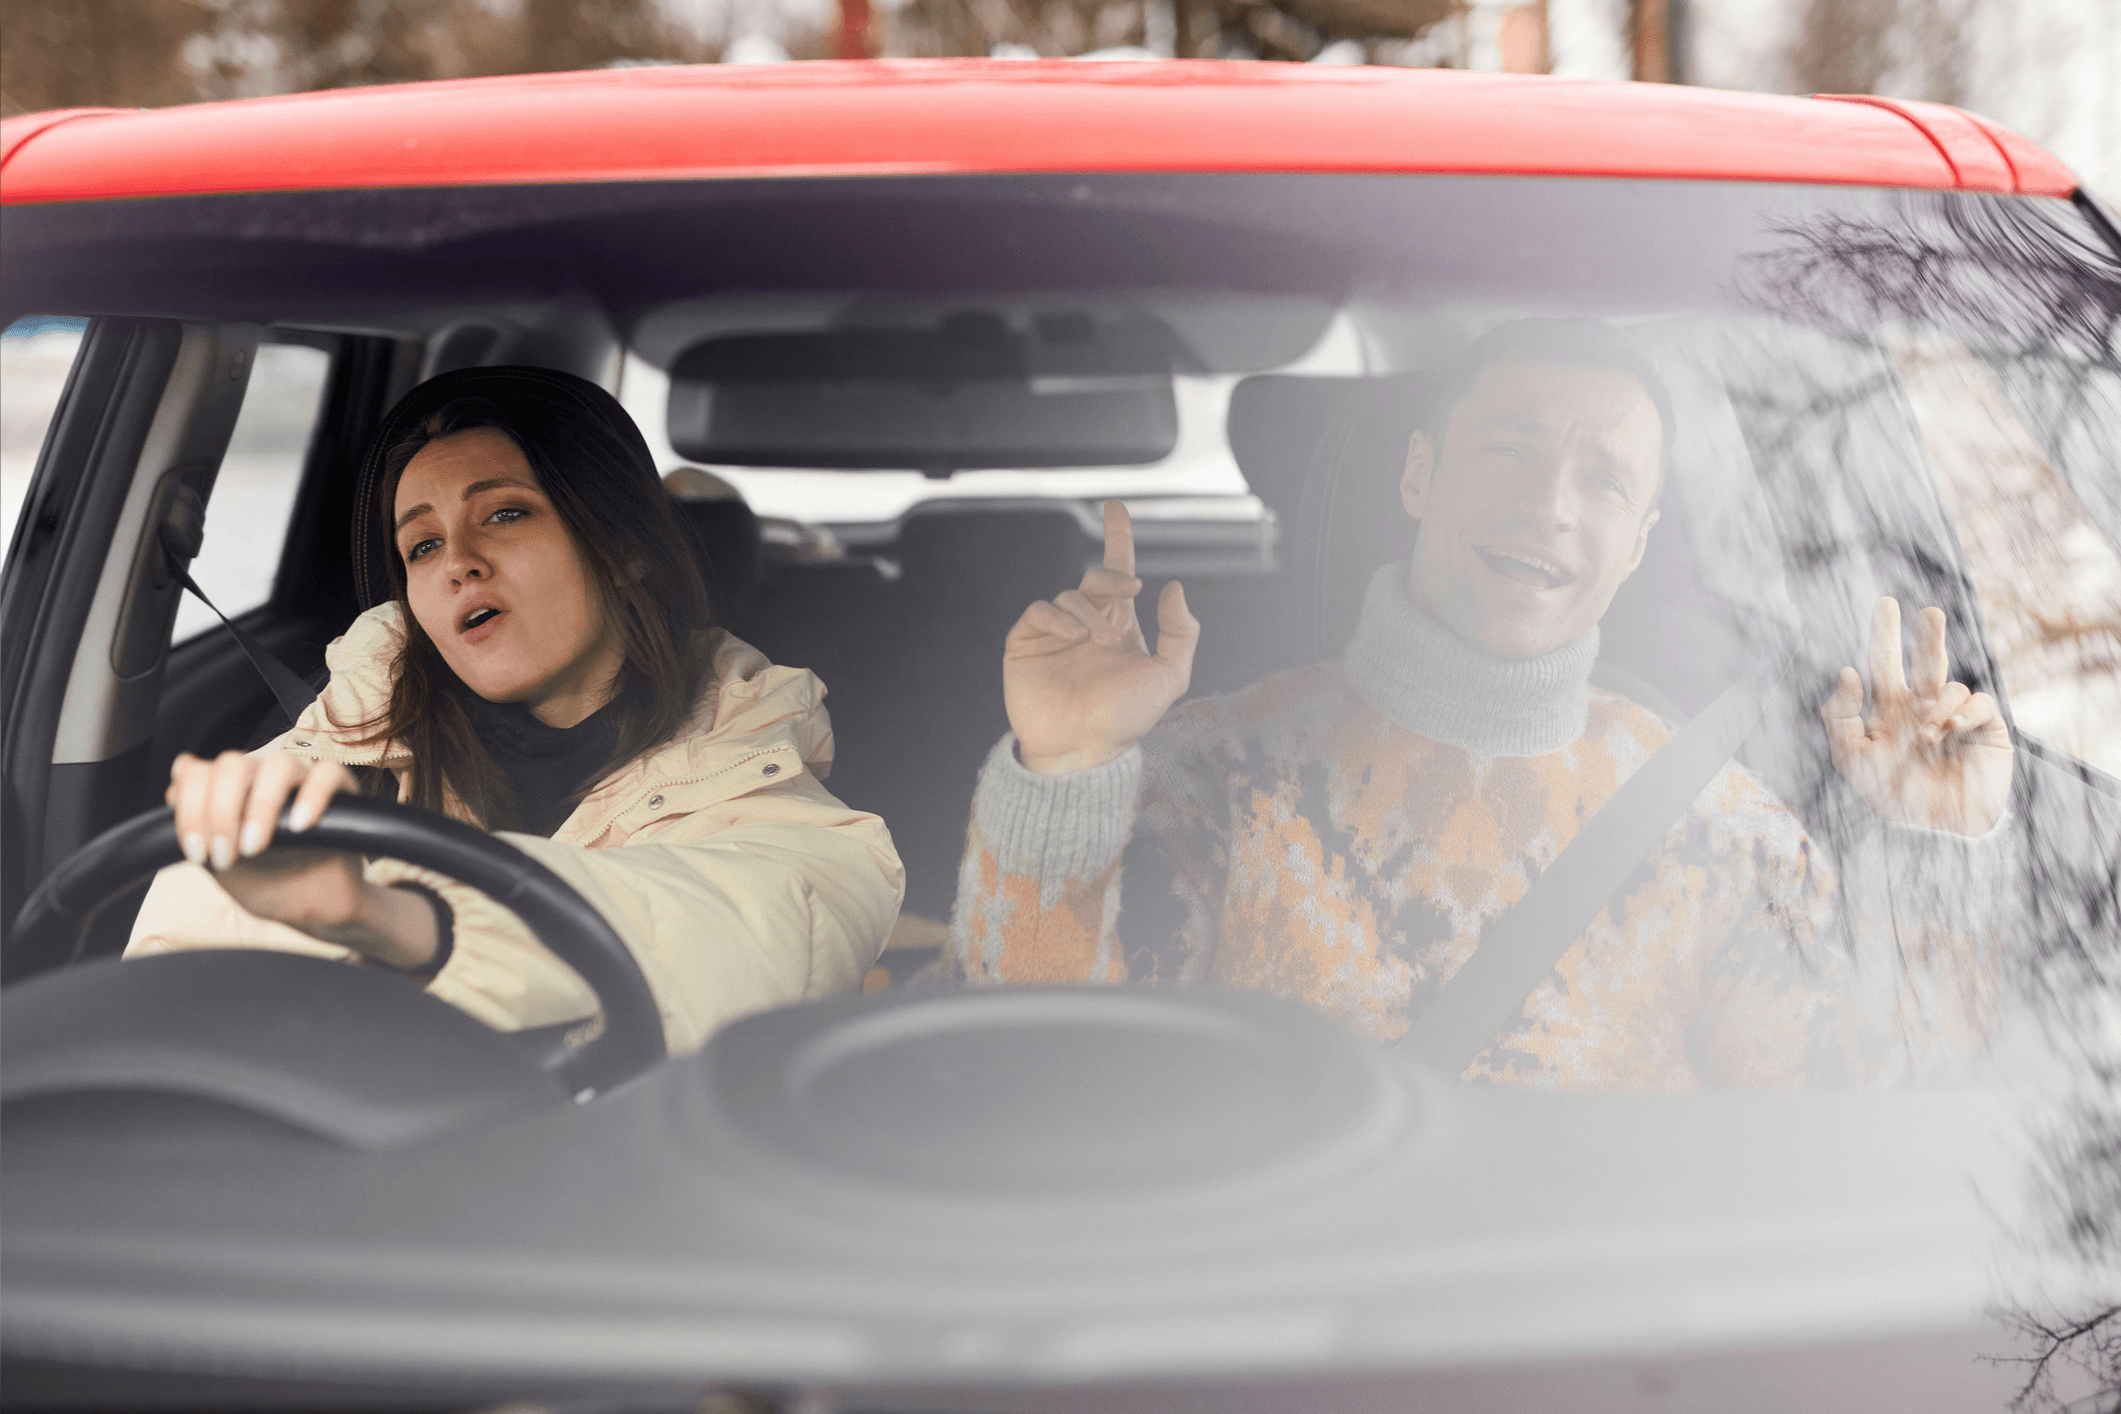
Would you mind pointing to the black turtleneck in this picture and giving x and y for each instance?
(547, 767)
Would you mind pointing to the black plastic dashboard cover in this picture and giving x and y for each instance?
(1029, 1189)
(348, 1054)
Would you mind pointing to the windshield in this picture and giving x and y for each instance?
(1633, 638)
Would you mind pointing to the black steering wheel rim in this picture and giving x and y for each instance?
(52, 921)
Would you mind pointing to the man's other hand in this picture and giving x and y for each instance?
(1079, 680)
(1934, 753)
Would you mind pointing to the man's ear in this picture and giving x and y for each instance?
(1414, 479)
(1642, 540)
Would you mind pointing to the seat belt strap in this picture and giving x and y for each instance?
(1488, 993)
(288, 689)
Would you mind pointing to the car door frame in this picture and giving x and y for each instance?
(211, 696)
(146, 414)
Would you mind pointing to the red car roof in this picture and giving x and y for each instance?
(1000, 116)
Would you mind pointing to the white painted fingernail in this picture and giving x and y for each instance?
(252, 840)
(195, 847)
(299, 818)
(222, 852)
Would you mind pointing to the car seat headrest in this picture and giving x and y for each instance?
(1326, 454)
(1015, 553)
(1275, 421)
(725, 534)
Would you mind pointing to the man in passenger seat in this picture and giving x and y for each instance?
(1345, 834)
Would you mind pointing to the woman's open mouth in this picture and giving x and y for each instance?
(1525, 568)
(477, 619)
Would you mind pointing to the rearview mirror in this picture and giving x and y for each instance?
(1069, 390)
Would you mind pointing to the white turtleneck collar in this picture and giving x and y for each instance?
(1419, 675)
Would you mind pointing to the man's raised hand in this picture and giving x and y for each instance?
(1934, 753)
(1080, 682)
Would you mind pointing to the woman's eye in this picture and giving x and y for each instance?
(508, 515)
(418, 549)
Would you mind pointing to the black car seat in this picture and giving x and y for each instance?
(726, 540)
(924, 704)
(1326, 453)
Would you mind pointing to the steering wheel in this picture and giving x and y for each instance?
(51, 924)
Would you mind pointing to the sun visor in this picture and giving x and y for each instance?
(972, 391)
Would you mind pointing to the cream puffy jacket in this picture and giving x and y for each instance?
(737, 879)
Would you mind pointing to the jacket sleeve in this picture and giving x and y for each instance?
(1886, 970)
(186, 909)
(1115, 874)
(775, 897)
(771, 898)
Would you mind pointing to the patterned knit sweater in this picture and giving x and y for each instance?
(1303, 838)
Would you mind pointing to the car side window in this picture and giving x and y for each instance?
(254, 493)
(36, 354)
(2048, 575)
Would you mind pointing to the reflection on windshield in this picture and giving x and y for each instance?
(2002, 321)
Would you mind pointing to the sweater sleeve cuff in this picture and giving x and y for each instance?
(1962, 881)
(1055, 827)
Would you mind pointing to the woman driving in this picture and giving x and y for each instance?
(541, 662)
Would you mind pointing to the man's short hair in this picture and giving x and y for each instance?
(1586, 341)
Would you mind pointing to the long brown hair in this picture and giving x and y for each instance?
(599, 479)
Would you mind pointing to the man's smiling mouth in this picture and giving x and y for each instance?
(1525, 568)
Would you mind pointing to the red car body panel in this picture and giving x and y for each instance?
(1974, 155)
(981, 115)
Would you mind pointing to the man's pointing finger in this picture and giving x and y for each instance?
(1888, 671)
(1119, 538)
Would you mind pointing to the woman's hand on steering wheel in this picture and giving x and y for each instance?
(227, 811)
